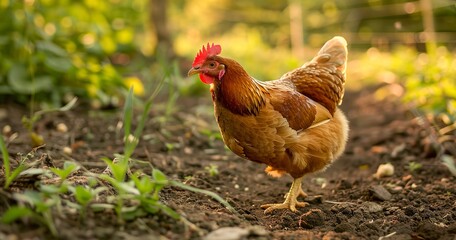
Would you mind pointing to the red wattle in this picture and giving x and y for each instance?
(206, 79)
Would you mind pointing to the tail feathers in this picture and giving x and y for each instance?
(334, 52)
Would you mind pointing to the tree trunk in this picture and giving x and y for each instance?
(159, 20)
(296, 29)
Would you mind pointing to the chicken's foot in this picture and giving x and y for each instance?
(291, 201)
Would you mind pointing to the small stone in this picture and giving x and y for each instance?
(257, 230)
(445, 180)
(406, 178)
(67, 150)
(371, 207)
(227, 233)
(380, 193)
(396, 189)
(236, 186)
(7, 129)
(188, 150)
(384, 170)
(314, 199)
(62, 127)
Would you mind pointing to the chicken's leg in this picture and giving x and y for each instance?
(290, 200)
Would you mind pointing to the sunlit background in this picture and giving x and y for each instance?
(55, 49)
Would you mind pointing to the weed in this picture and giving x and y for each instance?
(29, 123)
(414, 166)
(212, 170)
(10, 176)
(136, 196)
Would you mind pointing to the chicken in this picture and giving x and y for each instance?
(293, 124)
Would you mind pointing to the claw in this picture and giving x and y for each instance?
(273, 206)
(291, 201)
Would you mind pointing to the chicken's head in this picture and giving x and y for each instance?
(206, 64)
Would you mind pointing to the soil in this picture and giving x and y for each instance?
(347, 201)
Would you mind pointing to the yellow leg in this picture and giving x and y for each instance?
(290, 198)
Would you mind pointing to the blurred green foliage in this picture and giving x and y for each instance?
(428, 78)
(53, 49)
(58, 48)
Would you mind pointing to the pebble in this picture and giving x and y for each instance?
(314, 199)
(6, 129)
(384, 170)
(67, 150)
(371, 207)
(227, 233)
(380, 193)
(62, 127)
(236, 233)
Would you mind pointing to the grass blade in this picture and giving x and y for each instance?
(6, 160)
(206, 192)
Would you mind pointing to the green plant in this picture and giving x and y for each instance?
(29, 123)
(414, 166)
(40, 208)
(448, 161)
(212, 170)
(134, 197)
(10, 176)
(68, 168)
(52, 49)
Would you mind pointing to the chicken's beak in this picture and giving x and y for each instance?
(193, 71)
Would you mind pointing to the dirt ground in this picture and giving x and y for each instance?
(346, 201)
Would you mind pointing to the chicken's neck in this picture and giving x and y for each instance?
(238, 92)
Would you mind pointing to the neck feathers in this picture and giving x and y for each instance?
(237, 91)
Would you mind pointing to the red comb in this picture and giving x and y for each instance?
(210, 50)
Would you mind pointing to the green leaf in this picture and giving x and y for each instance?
(143, 184)
(83, 195)
(53, 189)
(169, 211)
(448, 161)
(14, 174)
(128, 188)
(58, 64)
(128, 118)
(68, 168)
(206, 192)
(17, 79)
(50, 47)
(159, 177)
(97, 207)
(22, 83)
(130, 213)
(34, 172)
(14, 213)
(29, 196)
(5, 155)
(118, 170)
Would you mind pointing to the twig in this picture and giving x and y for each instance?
(333, 202)
(387, 236)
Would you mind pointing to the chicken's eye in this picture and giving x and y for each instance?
(212, 64)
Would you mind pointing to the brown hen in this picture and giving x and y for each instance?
(292, 124)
